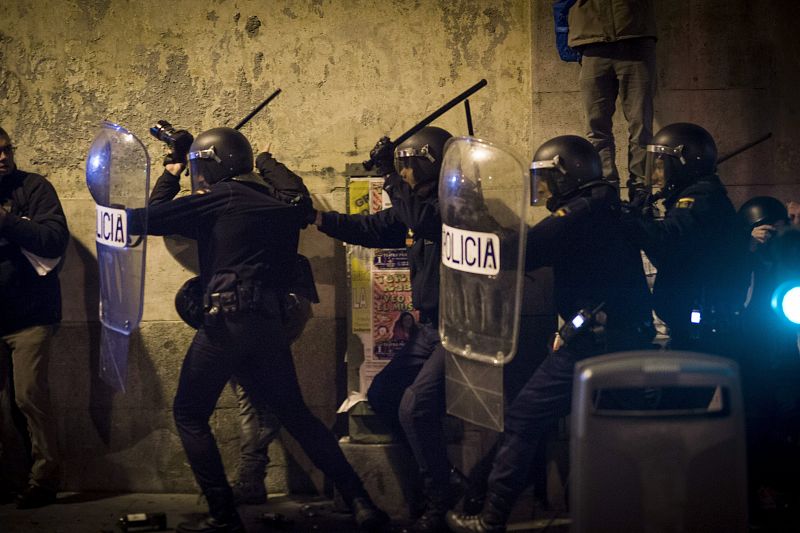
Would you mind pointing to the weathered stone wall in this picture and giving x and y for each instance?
(350, 72)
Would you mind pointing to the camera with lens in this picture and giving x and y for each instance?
(178, 141)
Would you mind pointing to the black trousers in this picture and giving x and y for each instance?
(252, 347)
(546, 397)
(409, 394)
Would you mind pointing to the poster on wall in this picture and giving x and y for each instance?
(380, 283)
(393, 317)
(360, 260)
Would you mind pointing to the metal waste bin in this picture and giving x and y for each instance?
(657, 444)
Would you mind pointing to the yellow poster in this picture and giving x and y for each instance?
(360, 261)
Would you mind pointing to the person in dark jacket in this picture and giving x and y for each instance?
(33, 239)
(600, 293)
(617, 42)
(768, 359)
(408, 394)
(258, 427)
(247, 246)
(698, 246)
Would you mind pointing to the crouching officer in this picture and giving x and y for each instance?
(408, 394)
(699, 245)
(600, 292)
(247, 245)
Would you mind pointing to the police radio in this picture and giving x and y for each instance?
(582, 322)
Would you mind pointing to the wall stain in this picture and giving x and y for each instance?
(252, 26)
(498, 26)
(94, 9)
(459, 19)
(258, 65)
(316, 8)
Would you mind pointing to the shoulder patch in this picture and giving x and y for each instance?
(685, 203)
(562, 211)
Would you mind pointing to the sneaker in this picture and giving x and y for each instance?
(35, 496)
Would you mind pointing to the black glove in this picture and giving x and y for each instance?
(265, 163)
(306, 206)
(639, 197)
(382, 155)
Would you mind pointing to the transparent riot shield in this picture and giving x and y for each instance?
(483, 196)
(118, 176)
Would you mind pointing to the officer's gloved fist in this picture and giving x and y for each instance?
(306, 206)
(641, 200)
(265, 162)
(382, 155)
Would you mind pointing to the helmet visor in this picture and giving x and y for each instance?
(403, 157)
(662, 165)
(545, 176)
(201, 168)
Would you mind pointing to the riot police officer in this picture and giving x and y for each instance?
(698, 246)
(770, 368)
(247, 245)
(409, 392)
(600, 293)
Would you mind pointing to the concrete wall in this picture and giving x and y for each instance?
(730, 66)
(350, 72)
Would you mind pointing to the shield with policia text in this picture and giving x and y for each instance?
(482, 196)
(118, 175)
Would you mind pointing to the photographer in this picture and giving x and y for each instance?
(33, 239)
(247, 246)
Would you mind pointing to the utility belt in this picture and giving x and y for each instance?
(706, 322)
(588, 331)
(247, 296)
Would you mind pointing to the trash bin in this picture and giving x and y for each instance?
(657, 444)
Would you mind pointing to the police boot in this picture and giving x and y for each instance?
(491, 520)
(437, 503)
(222, 518)
(367, 515)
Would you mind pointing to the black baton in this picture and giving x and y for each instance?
(433, 116)
(258, 108)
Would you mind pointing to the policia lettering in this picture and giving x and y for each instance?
(470, 251)
(111, 227)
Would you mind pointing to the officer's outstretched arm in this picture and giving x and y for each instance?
(380, 230)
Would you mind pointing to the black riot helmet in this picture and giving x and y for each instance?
(423, 152)
(679, 155)
(219, 154)
(561, 167)
(763, 210)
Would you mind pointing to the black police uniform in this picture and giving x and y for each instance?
(409, 392)
(697, 249)
(592, 265)
(247, 245)
(770, 371)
